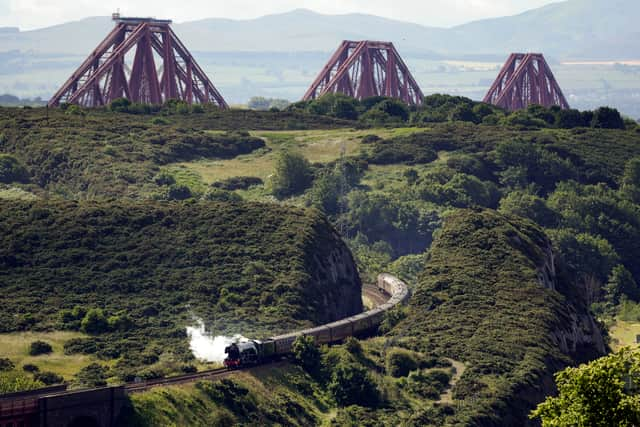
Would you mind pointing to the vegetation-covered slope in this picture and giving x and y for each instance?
(78, 154)
(481, 301)
(154, 267)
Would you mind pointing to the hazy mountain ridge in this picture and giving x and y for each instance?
(572, 29)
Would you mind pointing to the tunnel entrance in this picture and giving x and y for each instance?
(84, 422)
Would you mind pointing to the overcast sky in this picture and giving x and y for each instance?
(29, 14)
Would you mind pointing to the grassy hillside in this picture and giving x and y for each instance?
(79, 154)
(153, 268)
(477, 345)
(480, 301)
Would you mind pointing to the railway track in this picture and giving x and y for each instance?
(214, 374)
(373, 294)
(388, 292)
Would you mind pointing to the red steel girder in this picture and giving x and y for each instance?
(526, 79)
(144, 61)
(364, 69)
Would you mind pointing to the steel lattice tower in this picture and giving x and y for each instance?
(142, 60)
(526, 79)
(364, 69)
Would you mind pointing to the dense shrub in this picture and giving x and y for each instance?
(306, 353)
(6, 364)
(39, 347)
(351, 384)
(48, 378)
(29, 367)
(11, 170)
(94, 375)
(81, 346)
(400, 362)
(94, 322)
(238, 183)
(216, 194)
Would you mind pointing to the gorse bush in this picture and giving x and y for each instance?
(11, 170)
(40, 347)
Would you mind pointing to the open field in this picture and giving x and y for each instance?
(16, 347)
(317, 146)
(623, 334)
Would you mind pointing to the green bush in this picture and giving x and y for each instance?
(351, 384)
(6, 364)
(39, 347)
(12, 382)
(94, 322)
(164, 178)
(400, 362)
(11, 170)
(238, 183)
(306, 353)
(93, 375)
(216, 194)
(48, 378)
(29, 367)
(178, 192)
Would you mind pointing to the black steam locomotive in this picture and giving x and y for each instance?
(252, 352)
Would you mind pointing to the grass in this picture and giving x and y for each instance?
(318, 146)
(16, 347)
(623, 334)
(14, 193)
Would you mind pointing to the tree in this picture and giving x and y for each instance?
(527, 205)
(631, 180)
(292, 176)
(306, 353)
(94, 322)
(607, 118)
(345, 108)
(569, 119)
(601, 394)
(621, 283)
(393, 108)
(464, 113)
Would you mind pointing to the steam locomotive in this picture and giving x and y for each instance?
(253, 352)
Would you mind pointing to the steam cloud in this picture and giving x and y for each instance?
(206, 347)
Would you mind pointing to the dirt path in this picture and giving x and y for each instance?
(447, 397)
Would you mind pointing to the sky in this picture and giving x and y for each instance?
(30, 14)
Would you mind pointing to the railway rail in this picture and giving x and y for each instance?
(23, 404)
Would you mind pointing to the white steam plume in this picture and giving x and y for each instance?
(206, 347)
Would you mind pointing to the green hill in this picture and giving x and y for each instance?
(481, 301)
(153, 268)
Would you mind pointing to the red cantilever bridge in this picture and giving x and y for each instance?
(142, 60)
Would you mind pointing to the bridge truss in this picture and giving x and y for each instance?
(142, 60)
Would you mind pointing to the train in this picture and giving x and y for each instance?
(253, 352)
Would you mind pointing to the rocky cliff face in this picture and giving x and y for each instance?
(334, 288)
(578, 335)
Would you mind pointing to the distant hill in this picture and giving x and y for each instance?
(573, 29)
